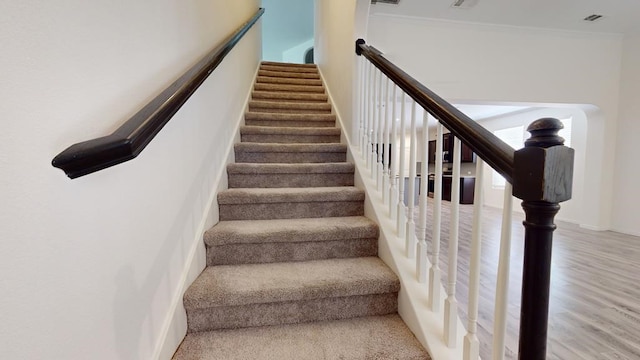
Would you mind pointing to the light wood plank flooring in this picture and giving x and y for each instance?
(595, 287)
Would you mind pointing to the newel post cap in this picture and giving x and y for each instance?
(543, 169)
(358, 43)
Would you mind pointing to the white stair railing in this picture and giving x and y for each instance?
(401, 208)
(451, 304)
(393, 164)
(502, 286)
(421, 229)
(379, 131)
(387, 146)
(471, 349)
(434, 271)
(409, 234)
(384, 147)
(362, 102)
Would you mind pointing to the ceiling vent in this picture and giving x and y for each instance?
(464, 4)
(593, 17)
(393, 2)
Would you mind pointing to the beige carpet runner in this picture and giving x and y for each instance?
(292, 271)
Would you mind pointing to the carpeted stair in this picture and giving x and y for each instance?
(292, 271)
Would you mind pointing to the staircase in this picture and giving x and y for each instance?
(292, 271)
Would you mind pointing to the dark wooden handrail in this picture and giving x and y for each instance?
(126, 142)
(494, 151)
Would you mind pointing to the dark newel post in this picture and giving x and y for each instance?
(543, 173)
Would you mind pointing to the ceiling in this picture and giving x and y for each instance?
(619, 16)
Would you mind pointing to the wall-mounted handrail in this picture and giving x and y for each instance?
(492, 149)
(126, 142)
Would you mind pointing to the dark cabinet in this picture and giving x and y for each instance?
(466, 154)
(467, 186)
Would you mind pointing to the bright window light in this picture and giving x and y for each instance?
(514, 136)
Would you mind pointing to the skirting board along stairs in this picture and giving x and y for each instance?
(292, 271)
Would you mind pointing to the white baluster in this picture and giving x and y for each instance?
(434, 271)
(385, 144)
(421, 230)
(363, 103)
(410, 235)
(471, 349)
(376, 124)
(451, 304)
(393, 166)
(370, 115)
(400, 224)
(380, 132)
(502, 284)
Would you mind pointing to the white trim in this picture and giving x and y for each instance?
(622, 231)
(176, 308)
(593, 228)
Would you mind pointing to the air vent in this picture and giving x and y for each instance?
(593, 17)
(393, 2)
(464, 4)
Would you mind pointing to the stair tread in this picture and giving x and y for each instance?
(289, 68)
(372, 337)
(252, 115)
(283, 195)
(292, 75)
(287, 148)
(290, 105)
(282, 130)
(290, 230)
(288, 81)
(236, 285)
(290, 95)
(283, 87)
(276, 168)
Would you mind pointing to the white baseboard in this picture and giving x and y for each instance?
(625, 231)
(176, 321)
(593, 228)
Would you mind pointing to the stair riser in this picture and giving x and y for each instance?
(289, 158)
(292, 88)
(292, 69)
(232, 317)
(299, 139)
(288, 111)
(288, 64)
(282, 252)
(288, 81)
(290, 210)
(290, 123)
(280, 74)
(289, 97)
(289, 180)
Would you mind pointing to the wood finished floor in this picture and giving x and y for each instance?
(595, 287)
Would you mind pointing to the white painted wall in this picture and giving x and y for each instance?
(92, 267)
(338, 24)
(627, 169)
(489, 63)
